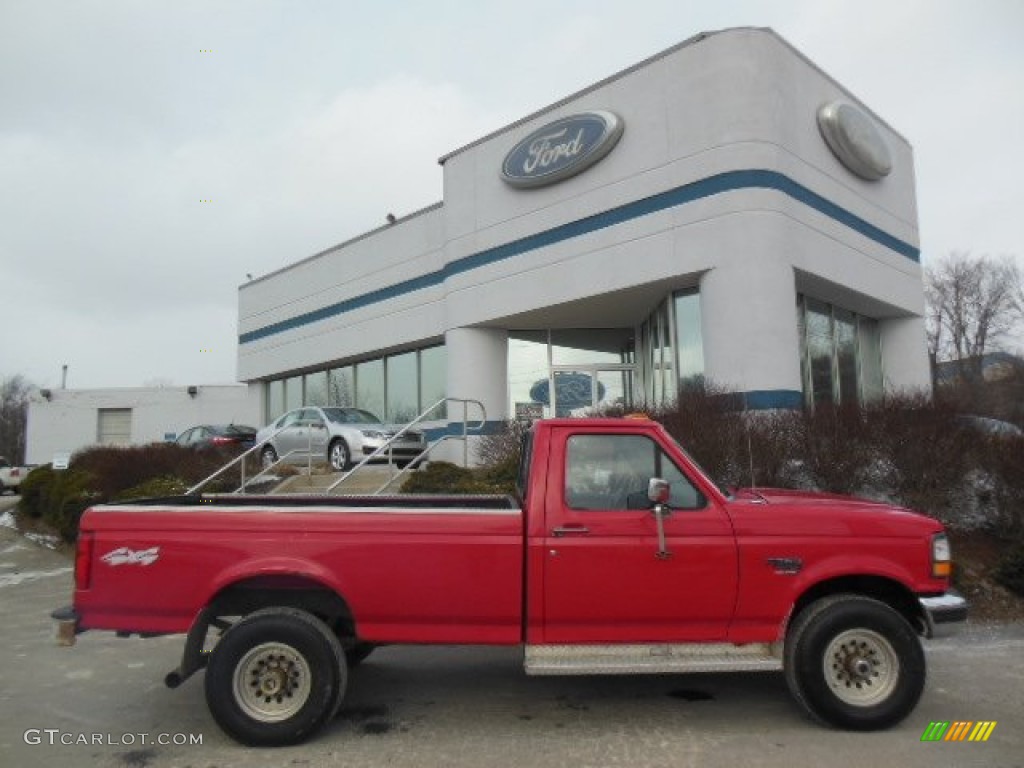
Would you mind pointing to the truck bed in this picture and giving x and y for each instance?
(410, 568)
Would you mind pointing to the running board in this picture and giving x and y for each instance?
(652, 659)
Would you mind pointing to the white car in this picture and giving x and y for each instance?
(338, 436)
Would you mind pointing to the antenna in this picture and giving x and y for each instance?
(750, 442)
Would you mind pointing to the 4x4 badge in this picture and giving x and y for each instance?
(125, 556)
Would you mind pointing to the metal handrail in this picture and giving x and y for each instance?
(467, 429)
(386, 446)
(239, 458)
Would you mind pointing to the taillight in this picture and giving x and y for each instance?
(219, 440)
(942, 557)
(83, 560)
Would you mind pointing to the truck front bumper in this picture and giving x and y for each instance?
(944, 613)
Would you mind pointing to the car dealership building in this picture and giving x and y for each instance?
(721, 212)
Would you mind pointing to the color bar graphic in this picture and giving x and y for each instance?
(958, 730)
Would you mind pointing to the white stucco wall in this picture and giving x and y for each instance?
(69, 420)
(740, 102)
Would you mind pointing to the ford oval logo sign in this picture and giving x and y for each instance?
(561, 149)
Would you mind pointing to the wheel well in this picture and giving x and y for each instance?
(249, 595)
(891, 592)
(244, 597)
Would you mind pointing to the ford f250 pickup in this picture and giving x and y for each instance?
(618, 556)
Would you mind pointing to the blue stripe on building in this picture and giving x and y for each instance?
(724, 182)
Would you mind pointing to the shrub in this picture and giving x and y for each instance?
(447, 478)
(34, 491)
(1010, 571)
(155, 487)
(57, 498)
(118, 468)
(503, 444)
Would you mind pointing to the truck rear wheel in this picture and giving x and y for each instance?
(854, 662)
(275, 677)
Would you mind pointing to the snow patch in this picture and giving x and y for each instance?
(44, 540)
(7, 520)
(14, 579)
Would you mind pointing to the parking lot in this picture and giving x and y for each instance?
(103, 703)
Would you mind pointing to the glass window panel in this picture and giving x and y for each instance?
(528, 374)
(611, 472)
(433, 380)
(614, 389)
(275, 399)
(316, 388)
(403, 400)
(370, 386)
(819, 351)
(293, 393)
(870, 350)
(341, 391)
(689, 341)
(846, 356)
(668, 380)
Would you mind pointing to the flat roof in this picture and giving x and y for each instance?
(650, 60)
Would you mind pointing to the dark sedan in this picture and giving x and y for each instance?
(218, 436)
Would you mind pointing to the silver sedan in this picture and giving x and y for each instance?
(338, 436)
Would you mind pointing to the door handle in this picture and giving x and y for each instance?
(570, 530)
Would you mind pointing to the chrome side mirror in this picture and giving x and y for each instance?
(658, 490)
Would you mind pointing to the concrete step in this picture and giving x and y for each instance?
(366, 480)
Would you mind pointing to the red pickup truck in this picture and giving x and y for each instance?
(619, 556)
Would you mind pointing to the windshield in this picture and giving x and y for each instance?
(350, 416)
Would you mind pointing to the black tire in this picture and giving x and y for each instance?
(358, 653)
(268, 456)
(262, 663)
(853, 662)
(338, 455)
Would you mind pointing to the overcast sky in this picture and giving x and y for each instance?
(309, 120)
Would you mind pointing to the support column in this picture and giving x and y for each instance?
(905, 365)
(748, 320)
(477, 370)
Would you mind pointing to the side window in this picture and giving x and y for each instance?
(184, 437)
(289, 420)
(612, 472)
(684, 495)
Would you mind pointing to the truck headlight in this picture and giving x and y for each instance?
(373, 434)
(942, 557)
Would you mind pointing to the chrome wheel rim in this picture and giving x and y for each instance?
(269, 457)
(339, 456)
(861, 667)
(272, 682)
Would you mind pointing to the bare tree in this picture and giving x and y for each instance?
(14, 396)
(974, 303)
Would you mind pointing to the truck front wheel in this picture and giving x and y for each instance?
(854, 662)
(275, 677)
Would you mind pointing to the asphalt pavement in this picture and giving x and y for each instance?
(103, 703)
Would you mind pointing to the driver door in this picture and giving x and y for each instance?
(604, 580)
